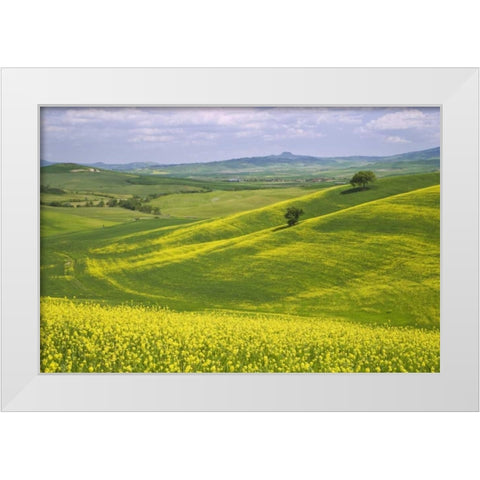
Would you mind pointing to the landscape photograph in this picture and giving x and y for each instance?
(240, 239)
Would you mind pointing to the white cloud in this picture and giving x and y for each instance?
(395, 139)
(152, 138)
(292, 134)
(238, 130)
(408, 125)
(76, 116)
(156, 131)
(340, 115)
(403, 120)
(204, 135)
(54, 129)
(241, 118)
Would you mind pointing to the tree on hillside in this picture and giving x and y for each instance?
(292, 215)
(362, 178)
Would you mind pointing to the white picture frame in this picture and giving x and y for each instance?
(455, 388)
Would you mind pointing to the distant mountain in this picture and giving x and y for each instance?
(122, 166)
(283, 164)
(285, 157)
(420, 155)
(288, 157)
(44, 163)
(288, 162)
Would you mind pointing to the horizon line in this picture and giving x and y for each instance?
(243, 158)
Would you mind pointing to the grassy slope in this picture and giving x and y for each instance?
(59, 220)
(358, 264)
(222, 203)
(375, 262)
(314, 204)
(106, 181)
(66, 177)
(55, 220)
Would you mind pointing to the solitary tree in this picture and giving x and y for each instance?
(292, 215)
(362, 178)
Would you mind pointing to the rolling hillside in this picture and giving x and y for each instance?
(370, 257)
(79, 178)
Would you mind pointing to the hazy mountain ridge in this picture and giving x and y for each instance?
(291, 164)
(289, 157)
(281, 164)
(419, 154)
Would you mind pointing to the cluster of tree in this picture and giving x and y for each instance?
(149, 209)
(363, 178)
(153, 196)
(48, 189)
(56, 203)
(205, 190)
(130, 203)
(134, 203)
(292, 215)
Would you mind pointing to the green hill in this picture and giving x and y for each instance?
(75, 178)
(80, 178)
(369, 256)
(314, 204)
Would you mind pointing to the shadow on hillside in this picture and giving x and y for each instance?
(283, 227)
(354, 190)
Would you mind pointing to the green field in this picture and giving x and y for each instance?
(355, 283)
(73, 178)
(54, 220)
(78, 179)
(221, 203)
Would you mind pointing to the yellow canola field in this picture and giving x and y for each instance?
(89, 337)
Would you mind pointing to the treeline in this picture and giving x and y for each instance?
(57, 204)
(54, 190)
(135, 203)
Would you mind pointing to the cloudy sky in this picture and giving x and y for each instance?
(186, 135)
